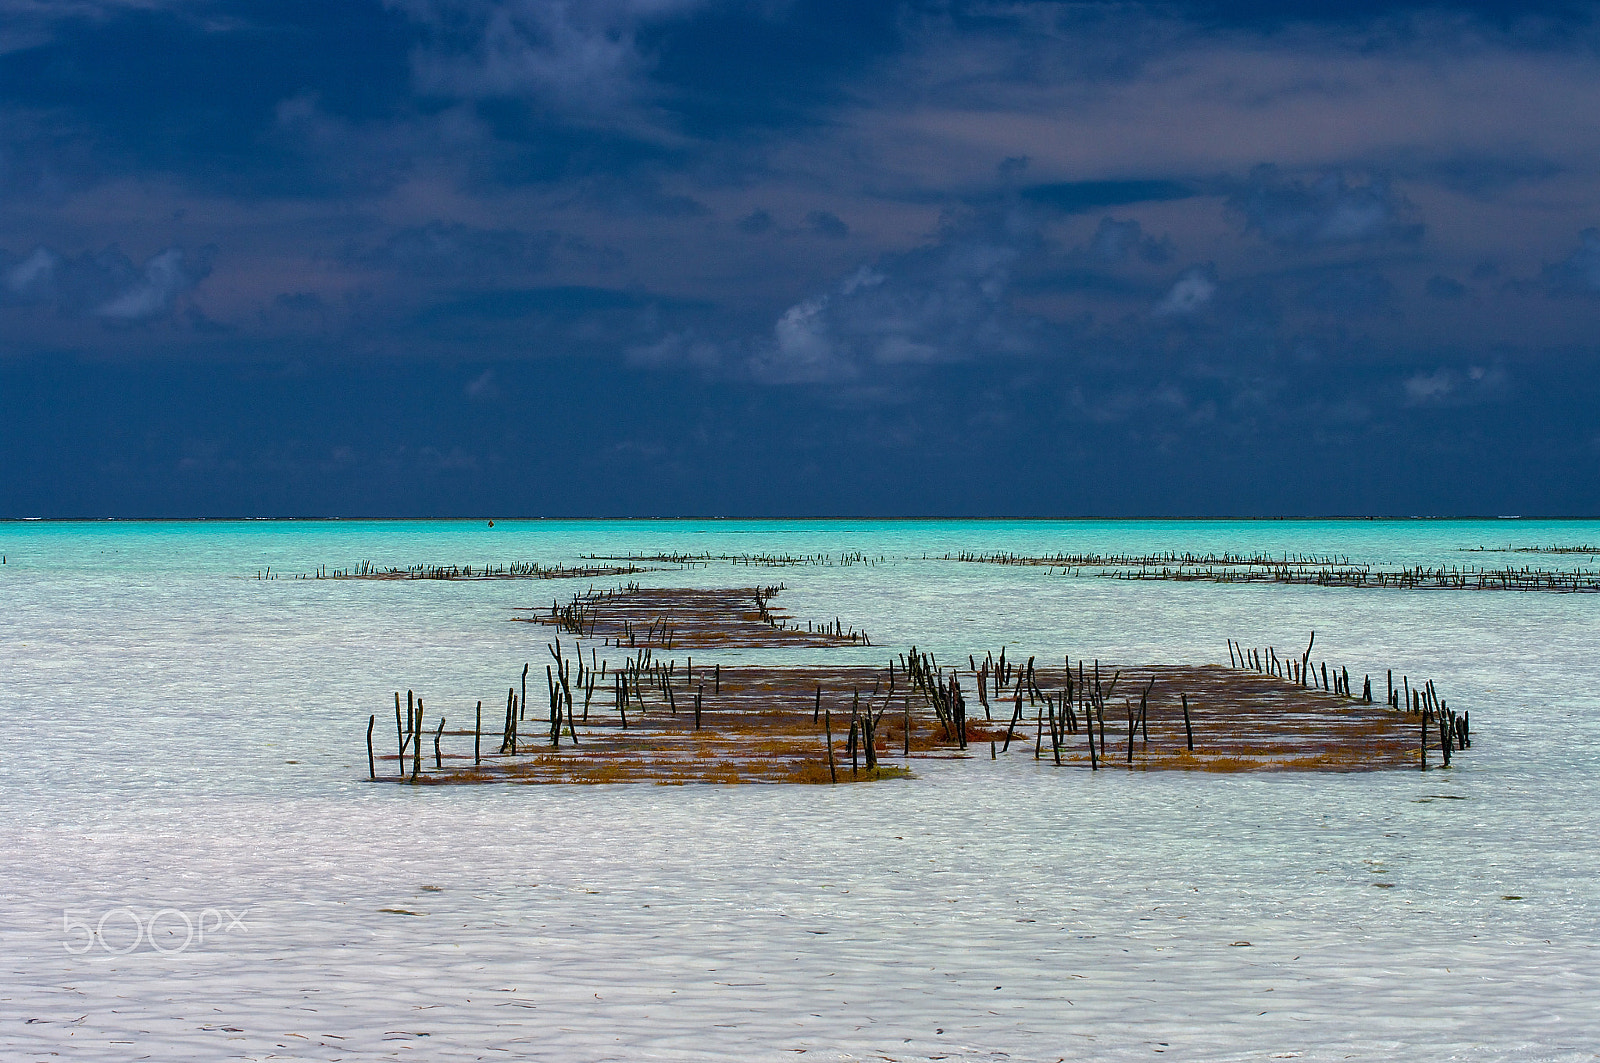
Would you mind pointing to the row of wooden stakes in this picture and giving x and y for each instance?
(1455, 730)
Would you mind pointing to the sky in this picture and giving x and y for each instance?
(479, 258)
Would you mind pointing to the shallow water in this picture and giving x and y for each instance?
(188, 739)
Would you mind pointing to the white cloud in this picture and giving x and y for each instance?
(582, 56)
(1580, 272)
(1429, 387)
(164, 278)
(941, 303)
(33, 279)
(107, 284)
(1455, 387)
(1189, 294)
(1328, 211)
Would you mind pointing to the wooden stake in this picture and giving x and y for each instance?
(1055, 731)
(1132, 727)
(416, 743)
(827, 729)
(399, 734)
(1088, 719)
(1015, 716)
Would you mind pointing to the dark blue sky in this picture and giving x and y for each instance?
(663, 257)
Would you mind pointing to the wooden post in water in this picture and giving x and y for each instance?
(555, 703)
(1055, 732)
(372, 762)
(1088, 719)
(477, 737)
(1015, 716)
(399, 735)
(511, 718)
(438, 758)
(869, 734)
(1132, 727)
(1144, 712)
(827, 730)
(1188, 730)
(416, 743)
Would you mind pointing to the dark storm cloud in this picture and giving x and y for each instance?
(1579, 272)
(827, 223)
(1115, 240)
(1233, 229)
(107, 284)
(453, 249)
(1080, 196)
(1486, 176)
(194, 89)
(1345, 290)
(563, 302)
(1328, 210)
(755, 223)
(942, 303)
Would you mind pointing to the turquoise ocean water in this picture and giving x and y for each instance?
(183, 737)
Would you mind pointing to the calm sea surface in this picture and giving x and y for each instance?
(184, 739)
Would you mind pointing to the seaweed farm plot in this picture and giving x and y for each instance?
(843, 560)
(1592, 550)
(1212, 718)
(646, 718)
(1262, 713)
(674, 725)
(677, 618)
(1299, 569)
(487, 571)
